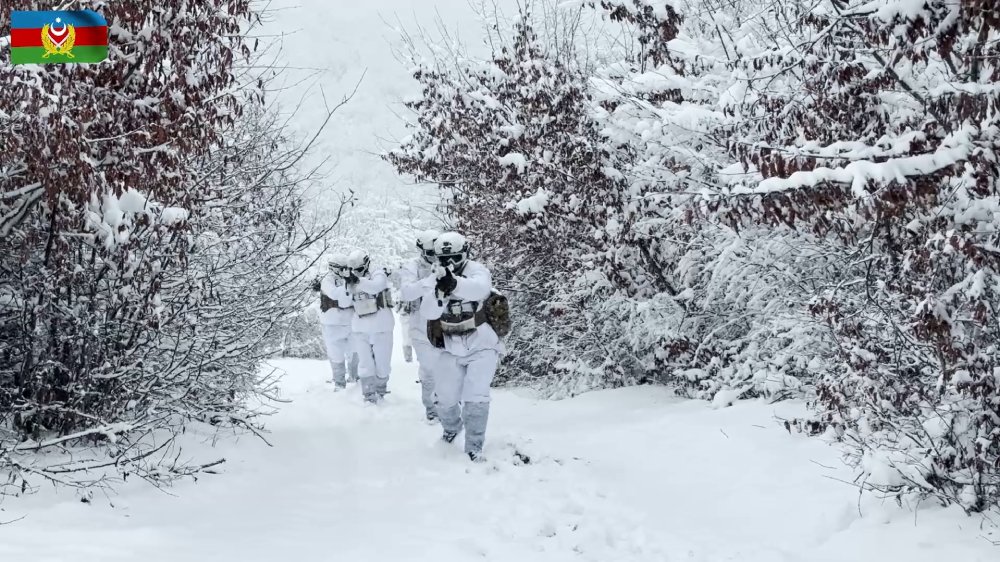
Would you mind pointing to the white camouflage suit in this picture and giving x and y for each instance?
(372, 335)
(417, 283)
(335, 324)
(466, 365)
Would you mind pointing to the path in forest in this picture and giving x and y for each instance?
(625, 475)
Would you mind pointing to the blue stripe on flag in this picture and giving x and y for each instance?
(37, 20)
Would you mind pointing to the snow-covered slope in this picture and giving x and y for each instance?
(627, 475)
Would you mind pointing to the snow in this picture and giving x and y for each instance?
(726, 397)
(173, 215)
(625, 475)
(112, 218)
(360, 45)
(515, 159)
(955, 148)
(534, 204)
(133, 202)
(889, 9)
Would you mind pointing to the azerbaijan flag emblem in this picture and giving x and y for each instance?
(58, 37)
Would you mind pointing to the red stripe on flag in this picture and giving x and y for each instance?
(85, 36)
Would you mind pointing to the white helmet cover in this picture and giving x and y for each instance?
(336, 261)
(359, 261)
(425, 243)
(451, 249)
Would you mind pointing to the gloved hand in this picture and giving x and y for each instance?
(446, 284)
(316, 284)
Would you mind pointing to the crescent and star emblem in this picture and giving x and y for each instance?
(58, 40)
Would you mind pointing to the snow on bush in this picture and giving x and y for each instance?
(887, 148)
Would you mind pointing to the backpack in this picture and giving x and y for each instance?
(497, 313)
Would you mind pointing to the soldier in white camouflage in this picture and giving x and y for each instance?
(371, 325)
(470, 348)
(336, 313)
(417, 283)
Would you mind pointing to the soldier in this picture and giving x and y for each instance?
(336, 312)
(470, 348)
(417, 282)
(371, 325)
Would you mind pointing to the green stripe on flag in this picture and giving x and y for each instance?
(36, 55)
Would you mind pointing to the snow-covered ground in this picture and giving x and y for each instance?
(629, 475)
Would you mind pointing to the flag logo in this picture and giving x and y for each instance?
(58, 42)
(58, 37)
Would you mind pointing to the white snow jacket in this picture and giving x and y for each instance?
(365, 289)
(416, 283)
(473, 285)
(334, 287)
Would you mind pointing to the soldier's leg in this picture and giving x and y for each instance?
(336, 350)
(448, 387)
(479, 370)
(366, 366)
(352, 366)
(407, 343)
(382, 353)
(427, 355)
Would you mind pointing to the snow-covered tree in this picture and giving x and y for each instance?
(151, 236)
(529, 180)
(874, 126)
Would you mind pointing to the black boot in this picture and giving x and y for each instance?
(448, 436)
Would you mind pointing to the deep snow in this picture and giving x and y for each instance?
(630, 475)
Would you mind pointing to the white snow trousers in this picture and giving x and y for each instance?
(427, 357)
(465, 380)
(374, 362)
(337, 340)
(407, 342)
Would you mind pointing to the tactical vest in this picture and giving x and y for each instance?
(369, 305)
(494, 311)
(326, 303)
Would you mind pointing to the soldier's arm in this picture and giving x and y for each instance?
(339, 294)
(474, 285)
(376, 284)
(431, 308)
(328, 288)
(412, 287)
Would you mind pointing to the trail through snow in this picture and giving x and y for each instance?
(626, 475)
